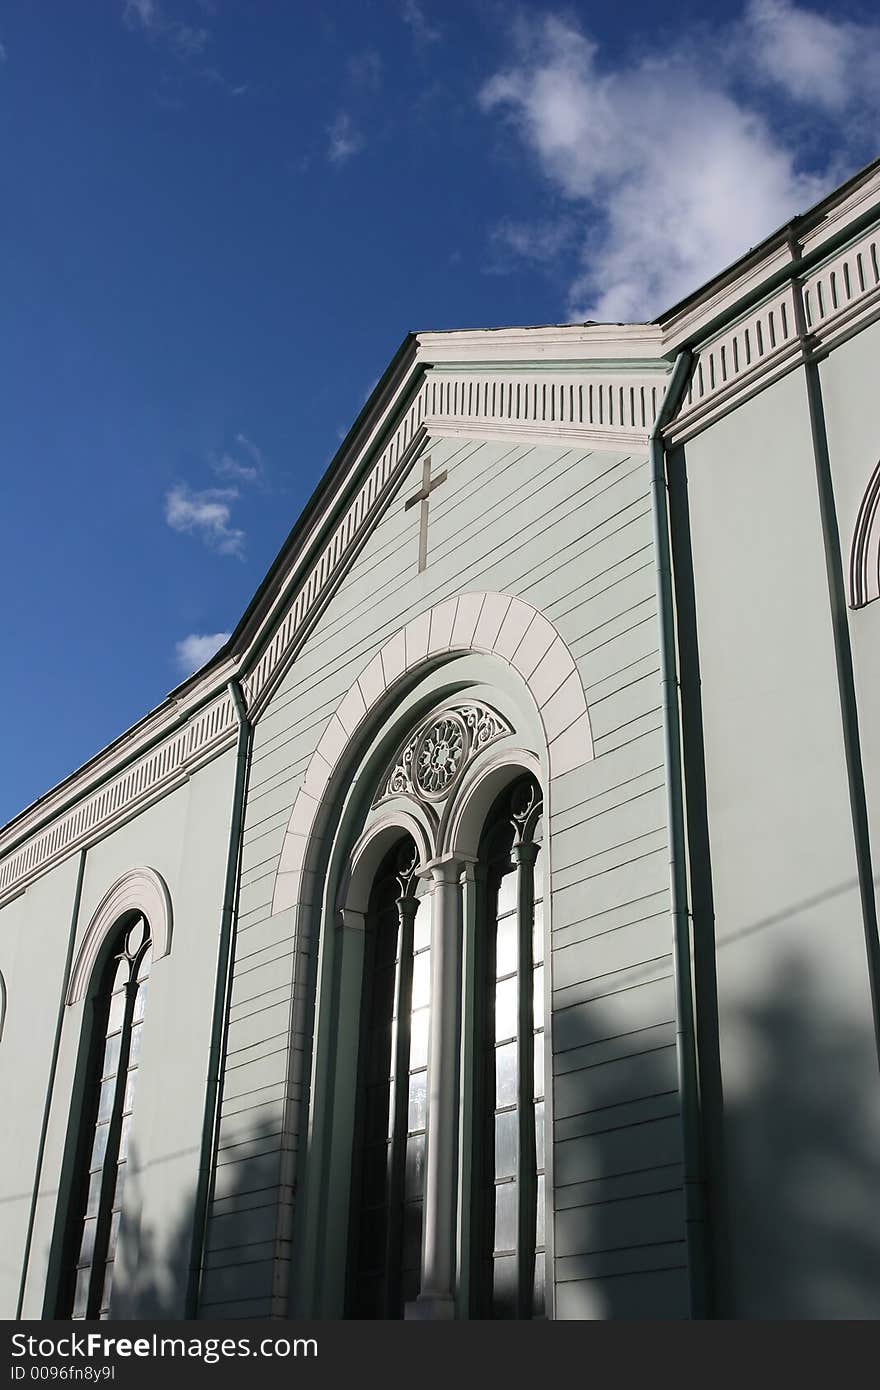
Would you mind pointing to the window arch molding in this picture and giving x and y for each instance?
(138, 890)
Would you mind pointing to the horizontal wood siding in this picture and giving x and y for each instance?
(569, 531)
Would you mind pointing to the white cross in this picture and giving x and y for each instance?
(423, 495)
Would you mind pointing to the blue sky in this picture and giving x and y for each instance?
(221, 218)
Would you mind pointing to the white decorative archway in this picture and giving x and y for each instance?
(493, 624)
(139, 890)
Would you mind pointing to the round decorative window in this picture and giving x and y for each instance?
(440, 755)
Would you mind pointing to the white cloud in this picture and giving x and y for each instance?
(671, 169)
(344, 139)
(831, 62)
(184, 40)
(207, 514)
(423, 31)
(365, 69)
(193, 651)
(230, 465)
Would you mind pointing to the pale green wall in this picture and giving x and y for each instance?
(569, 531)
(185, 838)
(801, 1099)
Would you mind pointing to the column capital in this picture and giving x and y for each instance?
(446, 868)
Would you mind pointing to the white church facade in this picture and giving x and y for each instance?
(490, 929)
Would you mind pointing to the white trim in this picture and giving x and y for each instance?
(138, 890)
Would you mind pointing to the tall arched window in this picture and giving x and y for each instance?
(508, 1195)
(388, 1174)
(102, 1151)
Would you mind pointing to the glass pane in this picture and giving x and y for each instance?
(120, 1185)
(123, 1138)
(145, 962)
(412, 1235)
(506, 947)
(111, 1055)
(507, 892)
(538, 1302)
(504, 1292)
(135, 938)
(421, 986)
(539, 1234)
(415, 1166)
(94, 1196)
(81, 1293)
(539, 1134)
(505, 1216)
(117, 1012)
(140, 1001)
(538, 934)
(505, 1074)
(418, 1043)
(137, 1034)
(108, 1284)
(422, 925)
(105, 1099)
(130, 1080)
(505, 1144)
(87, 1244)
(418, 1101)
(539, 1064)
(505, 1009)
(538, 997)
(99, 1147)
(114, 1233)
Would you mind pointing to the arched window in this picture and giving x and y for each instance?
(507, 1254)
(391, 1109)
(114, 1052)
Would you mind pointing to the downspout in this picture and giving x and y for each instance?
(686, 1050)
(53, 1068)
(222, 993)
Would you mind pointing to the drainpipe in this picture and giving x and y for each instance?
(222, 995)
(688, 1075)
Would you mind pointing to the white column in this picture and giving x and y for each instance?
(437, 1297)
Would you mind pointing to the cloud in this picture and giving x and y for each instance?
(184, 40)
(542, 243)
(834, 63)
(193, 651)
(247, 469)
(414, 17)
(207, 514)
(344, 139)
(674, 165)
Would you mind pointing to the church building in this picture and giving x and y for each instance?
(489, 930)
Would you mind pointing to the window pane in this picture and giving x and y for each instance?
(140, 1002)
(422, 925)
(415, 1166)
(539, 1134)
(504, 1292)
(505, 1144)
(539, 1064)
(418, 1100)
(538, 876)
(505, 1074)
(506, 947)
(538, 1300)
(105, 1099)
(99, 1147)
(87, 1244)
(111, 1055)
(137, 1034)
(507, 892)
(539, 1233)
(418, 1043)
(108, 1284)
(505, 1009)
(421, 985)
(81, 1293)
(538, 997)
(117, 1012)
(505, 1216)
(123, 1137)
(94, 1195)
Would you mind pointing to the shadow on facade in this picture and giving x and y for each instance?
(802, 1149)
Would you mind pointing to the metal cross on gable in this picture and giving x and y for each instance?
(423, 496)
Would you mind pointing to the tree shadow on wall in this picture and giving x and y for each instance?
(803, 1155)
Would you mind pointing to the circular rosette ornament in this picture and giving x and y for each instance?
(440, 756)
